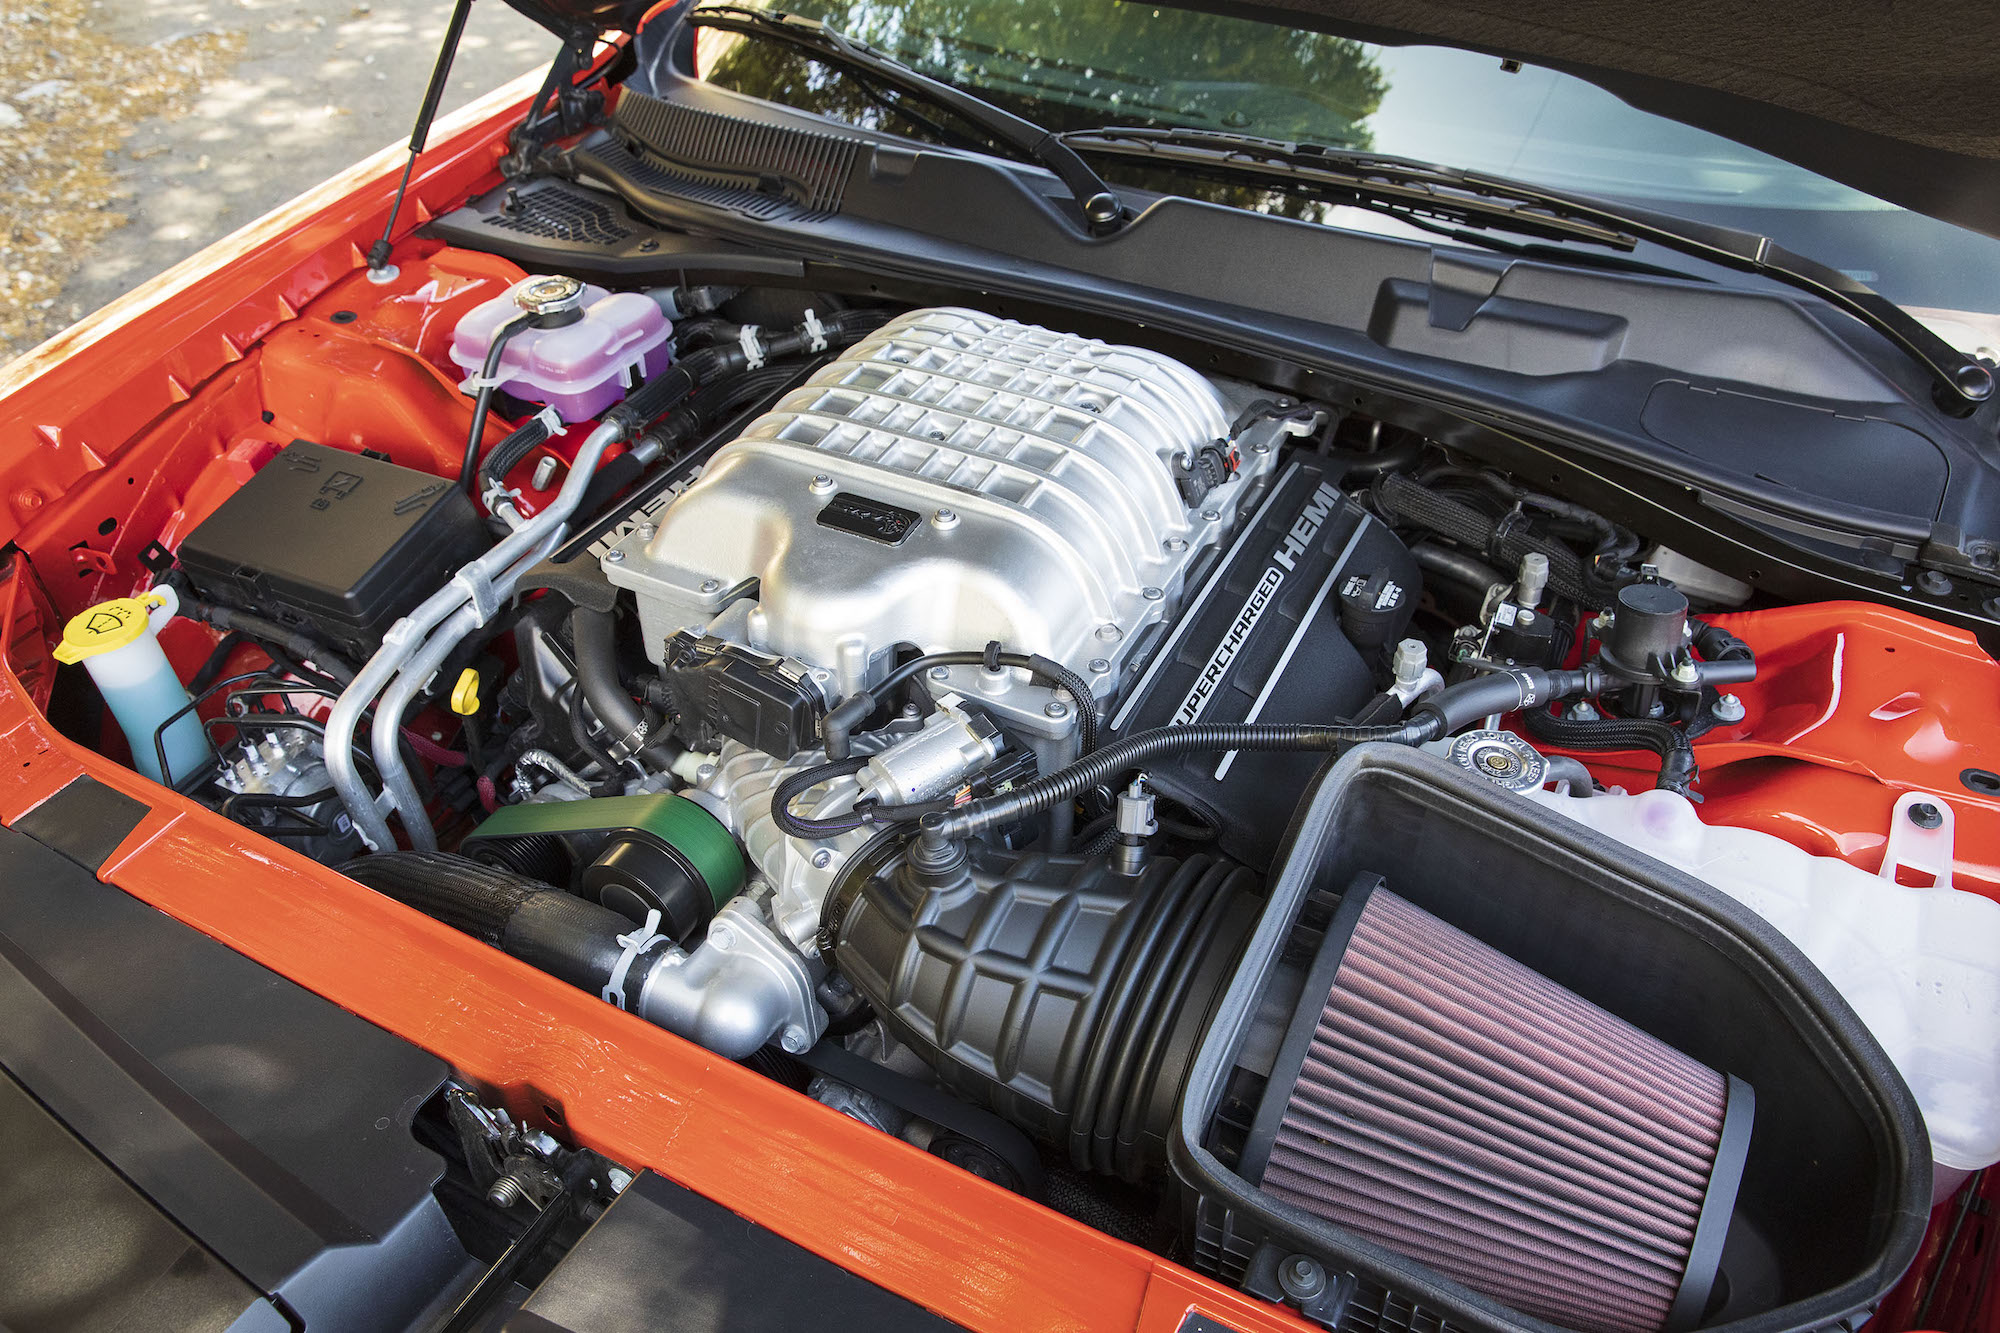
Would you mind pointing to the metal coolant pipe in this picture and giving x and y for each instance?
(477, 590)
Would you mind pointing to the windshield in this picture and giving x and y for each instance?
(1077, 64)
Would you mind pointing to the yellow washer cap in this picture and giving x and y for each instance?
(107, 626)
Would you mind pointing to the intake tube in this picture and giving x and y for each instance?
(736, 991)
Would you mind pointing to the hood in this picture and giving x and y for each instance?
(1897, 101)
(578, 21)
(1894, 100)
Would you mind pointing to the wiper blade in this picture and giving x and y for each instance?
(1097, 207)
(1428, 194)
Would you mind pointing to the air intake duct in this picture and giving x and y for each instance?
(1484, 1070)
(1439, 1098)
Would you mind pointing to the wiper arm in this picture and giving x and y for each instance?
(1096, 206)
(1424, 192)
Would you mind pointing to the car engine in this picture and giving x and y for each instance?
(1217, 811)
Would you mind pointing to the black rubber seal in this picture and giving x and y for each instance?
(1718, 1206)
(85, 821)
(1305, 1021)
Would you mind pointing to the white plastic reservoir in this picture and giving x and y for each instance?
(1921, 966)
(117, 643)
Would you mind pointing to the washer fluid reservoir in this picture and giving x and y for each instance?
(118, 645)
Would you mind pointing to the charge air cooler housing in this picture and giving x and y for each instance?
(1482, 1069)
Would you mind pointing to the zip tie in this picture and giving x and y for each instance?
(753, 351)
(635, 943)
(815, 333)
(474, 382)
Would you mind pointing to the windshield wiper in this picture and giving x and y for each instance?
(1097, 208)
(1432, 197)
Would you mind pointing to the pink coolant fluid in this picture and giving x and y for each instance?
(579, 369)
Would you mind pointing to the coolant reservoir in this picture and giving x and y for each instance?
(1921, 966)
(118, 645)
(580, 367)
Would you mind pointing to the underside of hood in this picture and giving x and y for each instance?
(1896, 100)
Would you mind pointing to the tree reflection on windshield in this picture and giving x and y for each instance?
(1077, 64)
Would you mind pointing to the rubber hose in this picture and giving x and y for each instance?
(557, 932)
(836, 728)
(593, 634)
(797, 785)
(467, 895)
(1676, 751)
(468, 467)
(1067, 784)
(296, 642)
(1717, 644)
(1455, 566)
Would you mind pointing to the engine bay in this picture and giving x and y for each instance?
(1232, 819)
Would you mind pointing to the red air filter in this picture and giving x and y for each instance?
(1463, 1110)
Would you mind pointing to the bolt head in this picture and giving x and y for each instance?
(1175, 544)
(1925, 815)
(796, 1039)
(704, 773)
(1301, 1278)
(1729, 708)
(1110, 633)
(645, 532)
(1260, 448)
(940, 673)
(822, 859)
(820, 485)
(1099, 665)
(711, 585)
(614, 556)
(1055, 708)
(722, 937)
(944, 519)
(1211, 515)
(1151, 594)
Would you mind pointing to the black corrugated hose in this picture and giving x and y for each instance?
(664, 391)
(1671, 743)
(837, 727)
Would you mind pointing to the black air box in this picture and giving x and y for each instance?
(1285, 628)
(333, 542)
(1836, 1181)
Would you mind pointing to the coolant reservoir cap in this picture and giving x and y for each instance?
(553, 294)
(109, 625)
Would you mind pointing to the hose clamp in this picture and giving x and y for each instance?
(815, 333)
(753, 349)
(636, 942)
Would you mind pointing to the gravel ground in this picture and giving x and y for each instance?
(135, 132)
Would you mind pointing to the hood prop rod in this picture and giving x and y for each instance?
(380, 270)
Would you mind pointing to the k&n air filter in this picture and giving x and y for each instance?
(1456, 1107)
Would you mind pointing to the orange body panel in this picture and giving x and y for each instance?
(98, 425)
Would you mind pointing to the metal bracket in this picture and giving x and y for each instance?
(1921, 838)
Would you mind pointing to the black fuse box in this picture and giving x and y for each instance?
(336, 543)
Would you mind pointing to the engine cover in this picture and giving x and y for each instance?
(953, 479)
